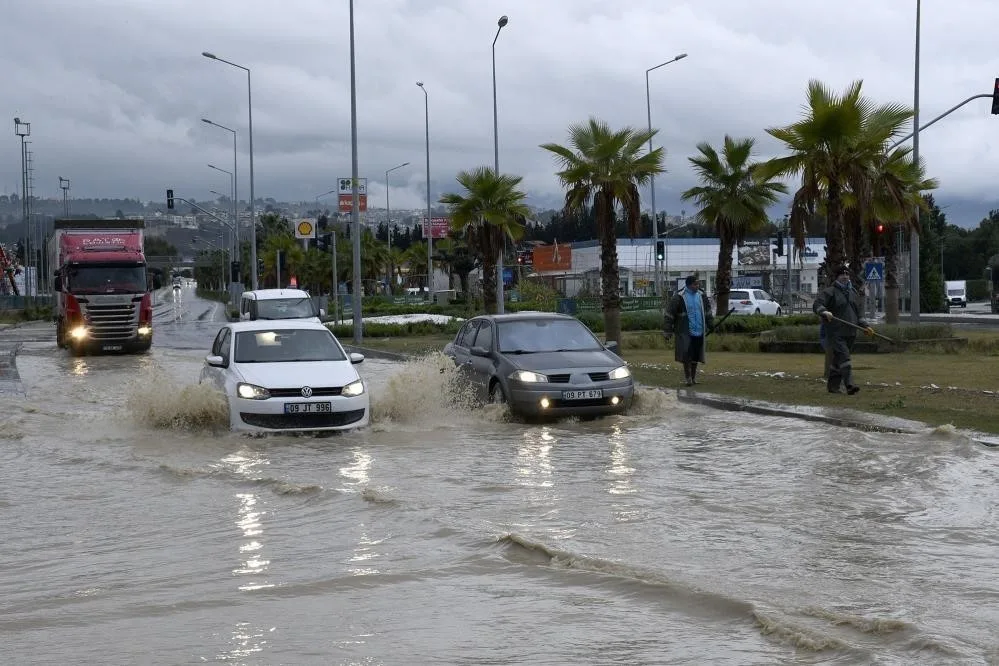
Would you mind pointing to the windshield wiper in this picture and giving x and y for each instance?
(520, 351)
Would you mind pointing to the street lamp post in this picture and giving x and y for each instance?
(253, 217)
(500, 298)
(355, 211)
(23, 130)
(914, 235)
(652, 179)
(388, 223)
(428, 228)
(64, 186)
(235, 194)
(232, 198)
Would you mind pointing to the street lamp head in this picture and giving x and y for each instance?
(503, 20)
(404, 164)
(212, 166)
(17, 121)
(205, 120)
(419, 83)
(681, 56)
(209, 55)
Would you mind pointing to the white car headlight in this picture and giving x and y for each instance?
(252, 391)
(529, 377)
(619, 373)
(353, 389)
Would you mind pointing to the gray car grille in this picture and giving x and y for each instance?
(564, 379)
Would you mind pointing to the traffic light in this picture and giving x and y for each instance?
(520, 259)
(995, 99)
(879, 229)
(660, 250)
(280, 262)
(779, 244)
(323, 242)
(170, 199)
(234, 267)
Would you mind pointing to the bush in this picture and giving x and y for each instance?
(978, 290)
(379, 330)
(540, 295)
(810, 332)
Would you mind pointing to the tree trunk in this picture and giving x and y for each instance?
(835, 242)
(489, 282)
(463, 279)
(891, 278)
(609, 273)
(723, 276)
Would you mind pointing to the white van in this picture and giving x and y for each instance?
(957, 293)
(278, 304)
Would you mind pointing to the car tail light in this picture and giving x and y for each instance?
(746, 302)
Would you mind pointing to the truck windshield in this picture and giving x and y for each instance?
(107, 279)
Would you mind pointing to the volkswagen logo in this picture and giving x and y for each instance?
(306, 392)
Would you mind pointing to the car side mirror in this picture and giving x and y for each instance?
(479, 351)
(57, 284)
(611, 345)
(356, 358)
(215, 361)
(322, 313)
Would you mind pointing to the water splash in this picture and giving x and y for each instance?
(160, 403)
(428, 390)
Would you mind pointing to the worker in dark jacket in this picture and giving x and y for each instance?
(842, 309)
(688, 316)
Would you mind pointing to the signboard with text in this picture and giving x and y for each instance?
(439, 227)
(347, 203)
(345, 186)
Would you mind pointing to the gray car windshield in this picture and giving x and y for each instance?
(286, 346)
(545, 335)
(285, 308)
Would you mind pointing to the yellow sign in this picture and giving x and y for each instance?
(305, 229)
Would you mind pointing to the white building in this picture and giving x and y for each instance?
(754, 264)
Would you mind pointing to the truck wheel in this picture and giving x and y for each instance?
(60, 334)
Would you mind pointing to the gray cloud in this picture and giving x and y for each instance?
(115, 89)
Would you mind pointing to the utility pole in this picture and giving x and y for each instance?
(336, 282)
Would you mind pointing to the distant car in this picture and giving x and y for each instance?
(272, 304)
(752, 301)
(281, 376)
(542, 364)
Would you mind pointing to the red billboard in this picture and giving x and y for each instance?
(552, 258)
(440, 227)
(347, 203)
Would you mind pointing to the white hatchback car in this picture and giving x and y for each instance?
(278, 304)
(753, 301)
(286, 376)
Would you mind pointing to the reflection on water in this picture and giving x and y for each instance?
(534, 465)
(357, 472)
(364, 552)
(78, 367)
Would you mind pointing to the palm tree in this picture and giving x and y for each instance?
(415, 258)
(603, 168)
(732, 199)
(491, 210)
(833, 148)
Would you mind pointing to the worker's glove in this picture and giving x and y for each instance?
(869, 332)
(828, 316)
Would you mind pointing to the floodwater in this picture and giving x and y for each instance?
(136, 530)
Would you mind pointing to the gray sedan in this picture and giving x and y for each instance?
(542, 364)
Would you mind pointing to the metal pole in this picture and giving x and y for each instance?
(277, 267)
(657, 282)
(238, 256)
(500, 298)
(253, 216)
(914, 234)
(428, 228)
(336, 281)
(388, 213)
(355, 216)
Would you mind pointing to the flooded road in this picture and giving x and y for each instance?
(136, 530)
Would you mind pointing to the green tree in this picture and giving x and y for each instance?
(732, 199)
(833, 149)
(491, 209)
(605, 167)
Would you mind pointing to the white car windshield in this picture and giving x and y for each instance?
(285, 308)
(532, 336)
(286, 346)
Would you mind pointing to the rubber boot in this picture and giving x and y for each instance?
(693, 373)
(687, 379)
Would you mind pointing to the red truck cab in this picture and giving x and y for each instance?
(103, 300)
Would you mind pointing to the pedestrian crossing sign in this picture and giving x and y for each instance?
(874, 271)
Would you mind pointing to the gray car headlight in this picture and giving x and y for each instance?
(529, 377)
(353, 389)
(252, 391)
(619, 373)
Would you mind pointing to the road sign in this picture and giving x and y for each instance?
(305, 228)
(439, 227)
(345, 186)
(347, 202)
(874, 271)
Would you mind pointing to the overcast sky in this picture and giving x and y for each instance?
(115, 89)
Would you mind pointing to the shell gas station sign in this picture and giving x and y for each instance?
(305, 228)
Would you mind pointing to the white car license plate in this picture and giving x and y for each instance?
(307, 407)
(582, 395)
(111, 348)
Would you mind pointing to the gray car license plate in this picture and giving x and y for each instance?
(582, 395)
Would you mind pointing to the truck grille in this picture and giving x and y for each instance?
(112, 322)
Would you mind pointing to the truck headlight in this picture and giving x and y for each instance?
(145, 330)
(78, 333)
(529, 377)
(252, 391)
(353, 389)
(619, 373)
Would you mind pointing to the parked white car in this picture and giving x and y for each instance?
(278, 304)
(286, 376)
(752, 301)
